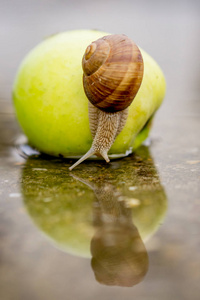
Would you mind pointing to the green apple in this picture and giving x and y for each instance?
(51, 105)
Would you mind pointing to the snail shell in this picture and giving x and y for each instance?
(113, 72)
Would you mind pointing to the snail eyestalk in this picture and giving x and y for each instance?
(84, 157)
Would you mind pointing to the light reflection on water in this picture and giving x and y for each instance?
(104, 216)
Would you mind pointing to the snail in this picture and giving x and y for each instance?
(112, 75)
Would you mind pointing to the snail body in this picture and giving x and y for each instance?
(52, 107)
(113, 71)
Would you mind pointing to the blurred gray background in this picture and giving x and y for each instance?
(170, 32)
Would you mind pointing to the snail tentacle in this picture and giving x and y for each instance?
(84, 157)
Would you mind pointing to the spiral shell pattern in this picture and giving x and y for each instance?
(113, 72)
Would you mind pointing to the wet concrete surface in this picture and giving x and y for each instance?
(129, 229)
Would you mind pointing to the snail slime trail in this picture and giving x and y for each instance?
(112, 75)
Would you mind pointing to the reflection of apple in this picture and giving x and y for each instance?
(65, 209)
(51, 105)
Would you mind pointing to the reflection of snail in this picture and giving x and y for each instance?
(60, 206)
(113, 72)
(119, 256)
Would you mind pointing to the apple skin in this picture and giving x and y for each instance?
(52, 108)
